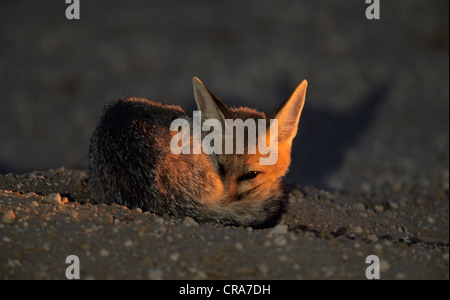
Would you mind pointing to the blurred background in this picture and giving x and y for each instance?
(377, 107)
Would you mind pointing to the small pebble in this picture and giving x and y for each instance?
(280, 241)
(328, 271)
(46, 247)
(393, 205)
(379, 208)
(297, 194)
(373, 238)
(104, 252)
(264, 269)
(358, 229)
(188, 221)
(239, 246)
(155, 274)
(283, 258)
(359, 207)
(279, 229)
(384, 265)
(8, 217)
(174, 256)
(53, 198)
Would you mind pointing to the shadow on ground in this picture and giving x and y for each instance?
(326, 136)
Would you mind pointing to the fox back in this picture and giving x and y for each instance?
(131, 161)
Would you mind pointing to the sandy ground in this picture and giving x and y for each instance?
(370, 164)
(322, 235)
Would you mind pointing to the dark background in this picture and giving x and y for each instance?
(377, 107)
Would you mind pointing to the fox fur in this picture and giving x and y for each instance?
(131, 163)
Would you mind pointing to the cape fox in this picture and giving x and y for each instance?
(131, 163)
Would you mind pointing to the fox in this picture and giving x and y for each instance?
(131, 162)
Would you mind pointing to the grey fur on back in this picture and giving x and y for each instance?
(126, 160)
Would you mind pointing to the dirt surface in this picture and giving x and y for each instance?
(322, 235)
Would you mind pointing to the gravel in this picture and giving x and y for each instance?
(320, 236)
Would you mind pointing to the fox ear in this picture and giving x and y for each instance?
(210, 106)
(288, 114)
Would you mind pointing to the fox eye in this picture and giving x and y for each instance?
(249, 175)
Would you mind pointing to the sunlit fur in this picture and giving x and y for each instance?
(131, 163)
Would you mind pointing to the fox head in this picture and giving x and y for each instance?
(242, 175)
